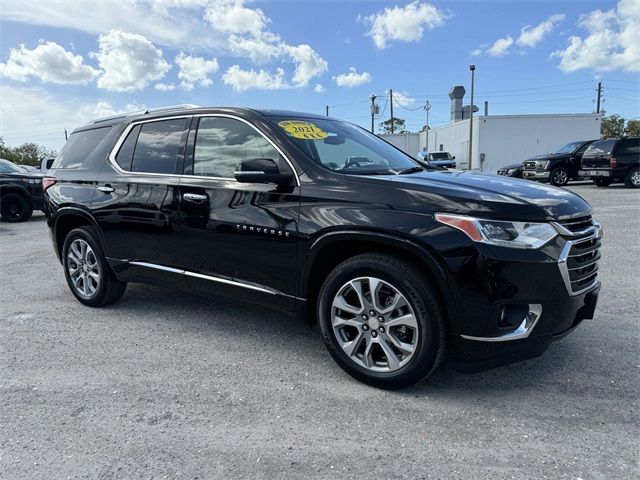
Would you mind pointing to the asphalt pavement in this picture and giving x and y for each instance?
(170, 385)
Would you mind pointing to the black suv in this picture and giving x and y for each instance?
(558, 167)
(613, 160)
(318, 217)
(20, 192)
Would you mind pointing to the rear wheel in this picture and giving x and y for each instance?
(602, 181)
(88, 274)
(632, 180)
(381, 321)
(15, 208)
(559, 177)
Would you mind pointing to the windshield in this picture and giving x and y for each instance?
(440, 156)
(9, 167)
(343, 147)
(569, 147)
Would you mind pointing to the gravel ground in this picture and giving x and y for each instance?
(169, 385)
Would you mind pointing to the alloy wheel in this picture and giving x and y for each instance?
(560, 177)
(374, 324)
(635, 178)
(83, 268)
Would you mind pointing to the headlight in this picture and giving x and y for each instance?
(504, 234)
(511, 171)
(543, 165)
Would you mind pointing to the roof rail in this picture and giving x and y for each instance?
(184, 106)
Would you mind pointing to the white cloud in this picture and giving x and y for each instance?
(352, 78)
(319, 88)
(49, 62)
(165, 87)
(231, 16)
(195, 71)
(402, 98)
(532, 36)
(241, 80)
(612, 41)
(405, 24)
(129, 62)
(259, 50)
(308, 64)
(475, 52)
(500, 47)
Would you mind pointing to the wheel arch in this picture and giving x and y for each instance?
(19, 189)
(68, 218)
(333, 248)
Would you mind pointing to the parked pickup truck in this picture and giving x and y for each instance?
(613, 160)
(558, 167)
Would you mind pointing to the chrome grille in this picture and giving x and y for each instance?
(579, 258)
(529, 165)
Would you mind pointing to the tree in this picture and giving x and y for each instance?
(398, 125)
(26, 154)
(612, 126)
(633, 128)
(424, 129)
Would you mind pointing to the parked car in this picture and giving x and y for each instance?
(441, 159)
(514, 170)
(20, 192)
(320, 218)
(29, 168)
(613, 160)
(558, 167)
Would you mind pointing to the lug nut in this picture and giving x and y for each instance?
(372, 313)
(364, 317)
(374, 333)
(365, 327)
(381, 329)
(381, 318)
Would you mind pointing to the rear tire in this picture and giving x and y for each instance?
(15, 208)
(632, 180)
(559, 177)
(87, 271)
(602, 181)
(402, 340)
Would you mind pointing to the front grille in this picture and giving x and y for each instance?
(579, 258)
(502, 172)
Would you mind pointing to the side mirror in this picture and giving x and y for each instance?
(261, 170)
(453, 158)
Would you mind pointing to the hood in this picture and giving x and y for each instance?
(489, 196)
(548, 156)
(512, 166)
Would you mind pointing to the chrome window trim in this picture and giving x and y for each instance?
(596, 232)
(523, 331)
(123, 136)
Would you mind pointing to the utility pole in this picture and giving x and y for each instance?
(427, 107)
(391, 103)
(473, 72)
(599, 96)
(66, 137)
(326, 110)
(374, 110)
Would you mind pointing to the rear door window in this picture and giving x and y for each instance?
(125, 154)
(629, 146)
(79, 147)
(156, 150)
(602, 147)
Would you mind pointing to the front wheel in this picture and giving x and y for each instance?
(559, 177)
(88, 274)
(602, 181)
(632, 180)
(381, 321)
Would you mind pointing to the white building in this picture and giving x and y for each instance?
(499, 140)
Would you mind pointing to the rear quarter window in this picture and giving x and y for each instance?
(601, 147)
(630, 146)
(79, 147)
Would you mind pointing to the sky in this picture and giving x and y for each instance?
(64, 63)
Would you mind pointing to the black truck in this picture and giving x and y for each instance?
(321, 219)
(613, 160)
(558, 167)
(20, 192)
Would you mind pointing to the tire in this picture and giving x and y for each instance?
(559, 177)
(632, 180)
(342, 333)
(95, 285)
(602, 181)
(15, 208)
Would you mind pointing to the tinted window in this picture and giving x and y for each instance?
(222, 143)
(78, 148)
(630, 146)
(8, 167)
(601, 147)
(125, 154)
(157, 148)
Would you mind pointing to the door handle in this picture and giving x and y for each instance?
(194, 197)
(107, 189)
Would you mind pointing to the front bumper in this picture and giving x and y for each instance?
(535, 175)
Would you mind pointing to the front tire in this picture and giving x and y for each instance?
(632, 180)
(15, 208)
(381, 321)
(602, 181)
(559, 177)
(87, 271)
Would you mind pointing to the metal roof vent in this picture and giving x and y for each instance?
(456, 95)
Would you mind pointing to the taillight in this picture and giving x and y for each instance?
(613, 163)
(48, 182)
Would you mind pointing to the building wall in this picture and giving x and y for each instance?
(407, 142)
(454, 138)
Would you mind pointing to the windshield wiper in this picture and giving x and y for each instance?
(415, 169)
